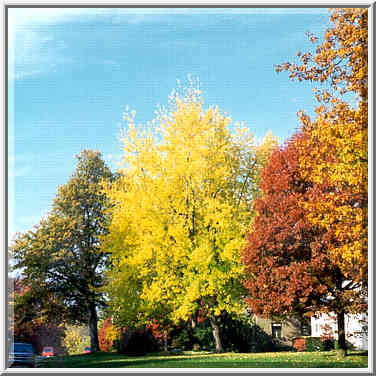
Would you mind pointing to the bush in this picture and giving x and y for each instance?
(75, 340)
(182, 339)
(140, 342)
(196, 347)
(317, 344)
(238, 334)
(299, 344)
(203, 336)
(312, 344)
(187, 338)
(349, 345)
(107, 335)
(241, 335)
(122, 342)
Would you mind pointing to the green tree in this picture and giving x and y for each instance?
(180, 215)
(62, 254)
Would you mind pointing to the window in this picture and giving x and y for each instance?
(277, 330)
(305, 326)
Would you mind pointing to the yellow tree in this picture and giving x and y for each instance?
(182, 207)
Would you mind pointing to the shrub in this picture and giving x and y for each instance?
(300, 344)
(239, 334)
(317, 344)
(75, 340)
(203, 336)
(349, 345)
(122, 342)
(314, 344)
(140, 342)
(182, 339)
(328, 344)
(196, 347)
(107, 335)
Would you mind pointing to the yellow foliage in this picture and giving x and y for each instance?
(181, 211)
(334, 155)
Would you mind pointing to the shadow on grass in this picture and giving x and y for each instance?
(110, 361)
(350, 353)
(355, 359)
(186, 363)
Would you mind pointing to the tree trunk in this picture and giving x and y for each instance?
(217, 338)
(193, 323)
(341, 333)
(194, 319)
(165, 340)
(93, 327)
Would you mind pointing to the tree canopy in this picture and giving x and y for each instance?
(289, 263)
(334, 155)
(312, 223)
(181, 210)
(62, 256)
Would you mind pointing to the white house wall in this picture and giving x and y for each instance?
(356, 328)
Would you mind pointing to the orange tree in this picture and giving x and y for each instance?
(336, 140)
(334, 156)
(288, 262)
(108, 335)
(323, 192)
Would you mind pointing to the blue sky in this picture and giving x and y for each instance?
(73, 71)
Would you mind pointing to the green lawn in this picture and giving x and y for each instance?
(209, 360)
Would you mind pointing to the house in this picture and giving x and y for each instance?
(356, 328)
(284, 330)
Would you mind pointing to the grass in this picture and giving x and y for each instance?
(189, 359)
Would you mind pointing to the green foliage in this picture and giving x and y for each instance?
(187, 338)
(349, 345)
(136, 343)
(61, 258)
(316, 344)
(32, 321)
(182, 339)
(239, 336)
(203, 336)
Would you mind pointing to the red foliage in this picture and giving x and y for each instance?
(300, 344)
(158, 330)
(282, 256)
(105, 344)
(200, 316)
(327, 333)
(288, 265)
(289, 268)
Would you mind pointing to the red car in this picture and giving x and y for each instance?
(48, 351)
(87, 350)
